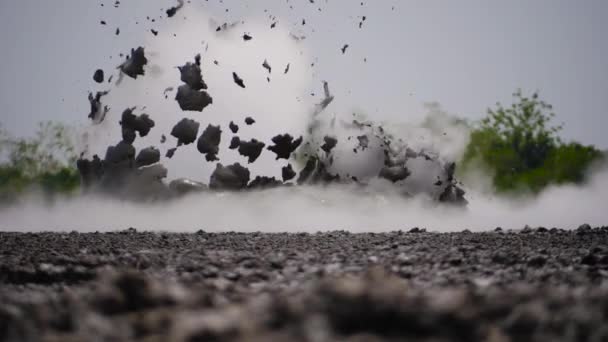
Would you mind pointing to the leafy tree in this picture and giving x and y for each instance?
(523, 149)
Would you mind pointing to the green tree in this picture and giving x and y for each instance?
(523, 150)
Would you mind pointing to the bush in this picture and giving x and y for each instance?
(46, 160)
(523, 151)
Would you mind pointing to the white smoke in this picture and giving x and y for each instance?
(311, 209)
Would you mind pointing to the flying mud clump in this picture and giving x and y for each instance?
(191, 96)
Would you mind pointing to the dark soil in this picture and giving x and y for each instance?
(533, 285)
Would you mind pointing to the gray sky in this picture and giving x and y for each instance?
(465, 55)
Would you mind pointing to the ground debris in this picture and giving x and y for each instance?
(231, 177)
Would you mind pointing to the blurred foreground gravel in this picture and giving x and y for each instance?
(532, 285)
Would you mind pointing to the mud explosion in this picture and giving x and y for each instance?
(322, 154)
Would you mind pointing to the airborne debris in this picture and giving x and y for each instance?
(170, 152)
(209, 142)
(233, 127)
(98, 76)
(363, 142)
(238, 80)
(234, 143)
(330, 143)
(132, 123)
(287, 68)
(173, 10)
(247, 37)
(191, 74)
(134, 65)
(97, 113)
(284, 145)
(267, 66)
(344, 48)
(192, 100)
(251, 149)
(185, 131)
(249, 121)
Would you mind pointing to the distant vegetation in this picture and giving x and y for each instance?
(522, 149)
(46, 161)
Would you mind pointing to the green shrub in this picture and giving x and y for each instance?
(47, 161)
(523, 151)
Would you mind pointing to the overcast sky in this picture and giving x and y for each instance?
(466, 55)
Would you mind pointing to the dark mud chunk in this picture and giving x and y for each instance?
(288, 173)
(147, 156)
(170, 152)
(238, 80)
(98, 76)
(232, 177)
(234, 143)
(209, 142)
(163, 139)
(134, 65)
(249, 121)
(363, 142)
(267, 66)
(344, 48)
(284, 145)
(173, 10)
(286, 69)
(98, 111)
(191, 99)
(233, 127)
(247, 37)
(90, 171)
(185, 131)
(132, 123)
(264, 182)
(184, 186)
(191, 74)
(119, 164)
(329, 144)
(251, 149)
(394, 173)
(120, 154)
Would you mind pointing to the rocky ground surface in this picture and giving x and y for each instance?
(531, 285)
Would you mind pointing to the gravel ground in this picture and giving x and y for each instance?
(531, 285)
